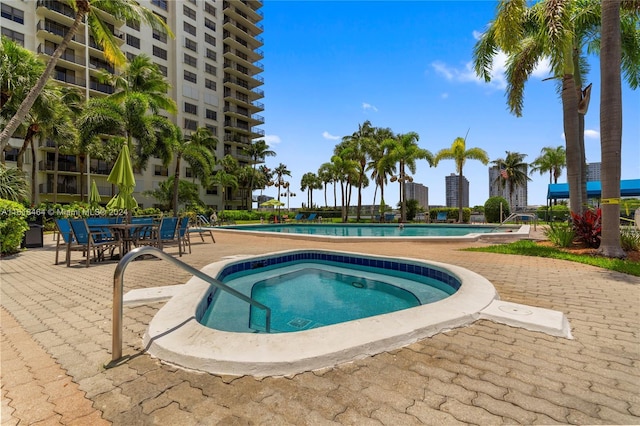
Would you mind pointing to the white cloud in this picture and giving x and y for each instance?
(444, 95)
(271, 139)
(366, 106)
(329, 136)
(591, 134)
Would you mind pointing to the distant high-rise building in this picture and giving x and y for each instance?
(419, 192)
(212, 65)
(519, 197)
(593, 171)
(451, 191)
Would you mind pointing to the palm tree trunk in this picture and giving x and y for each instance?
(56, 156)
(33, 94)
(176, 182)
(571, 134)
(460, 192)
(610, 128)
(34, 178)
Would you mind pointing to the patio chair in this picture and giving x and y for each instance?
(441, 217)
(96, 242)
(201, 227)
(389, 217)
(143, 235)
(166, 232)
(64, 233)
(312, 217)
(298, 217)
(183, 235)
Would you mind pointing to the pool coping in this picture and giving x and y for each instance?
(174, 335)
(513, 234)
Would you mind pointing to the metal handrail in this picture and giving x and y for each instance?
(116, 342)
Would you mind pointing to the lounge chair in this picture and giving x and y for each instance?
(183, 235)
(389, 217)
(96, 242)
(201, 226)
(311, 217)
(299, 217)
(441, 217)
(167, 232)
(64, 233)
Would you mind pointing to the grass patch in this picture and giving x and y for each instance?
(530, 248)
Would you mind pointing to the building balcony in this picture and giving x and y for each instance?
(246, 10)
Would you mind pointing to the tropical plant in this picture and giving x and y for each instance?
(228, 183)
(560, 234)
(12, 225)
(513, 173)
(357, 147)
(346, 173)
(588, 226)
(629, 239)
(188, 193)
(551, 160)
(380, 165)
(404, 151)
(459, 153)
(258, 150)
(197, 150)
(92, 13)
(13, 184)
(309, 182)
(327, 175)
(493, 207)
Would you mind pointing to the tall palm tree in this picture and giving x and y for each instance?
(379, 166)
(358, 147)
(90, 12)
(551, 160)
(141, 75)
(513, 173)
(309, 182)
(258, 150)
(327, 175)
(611, 128)
(279, 183)
(227, 182)
(404, 151)
(460, 154)
(559, 30)
(346, 173)
(197, 150)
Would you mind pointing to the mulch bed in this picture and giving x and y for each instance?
(581, 248)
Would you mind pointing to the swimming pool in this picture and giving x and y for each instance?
(176, 335)
(313, 290)
(380, 232)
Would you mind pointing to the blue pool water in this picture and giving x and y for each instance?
(371, 230)
(315, 289)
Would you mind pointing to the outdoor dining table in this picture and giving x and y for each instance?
(127, 232)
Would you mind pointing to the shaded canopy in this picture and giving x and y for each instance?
(628, 188)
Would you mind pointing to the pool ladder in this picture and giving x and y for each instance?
(118, 284)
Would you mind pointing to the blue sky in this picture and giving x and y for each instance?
(331, 65)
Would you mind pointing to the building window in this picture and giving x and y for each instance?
(159, 36)
(162, 4)
(159, 170)
(209, 39)
(190, 60)
(133, 25)
(17, 37)
(214, 129)
(212, 191)
(190, 44)
(159, 52)
(210, 69)
(209, 24)
(209, 8)
(188, 28)
(12, 14)
(163, 70)
(190, 124)
(133, 41)
(188, 172)
(211, 114)
(194, 2)
(130, 56)
(212, 54)
(190, 108)
(190, 76)
(210, 84)
(188, 12)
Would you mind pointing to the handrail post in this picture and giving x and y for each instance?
(118, 290)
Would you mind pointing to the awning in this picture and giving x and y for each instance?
(628, 188)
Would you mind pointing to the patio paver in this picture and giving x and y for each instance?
(56, 342)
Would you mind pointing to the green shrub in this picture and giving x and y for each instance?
(560, 234)
(559, 213)
(13, 225)
(492, 209)
(630, 239)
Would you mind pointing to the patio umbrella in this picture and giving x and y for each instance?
(122, 176)
(272, 203)
(94, 195)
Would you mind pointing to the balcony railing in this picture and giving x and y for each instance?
(57, 6)
(59, 30)
(48, 50)
(71, 79)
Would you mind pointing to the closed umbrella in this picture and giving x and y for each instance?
(94, 194)
(122, 176)
(272, 203)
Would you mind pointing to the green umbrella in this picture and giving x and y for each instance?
(94, 195)
(122, 176)
(272, 202)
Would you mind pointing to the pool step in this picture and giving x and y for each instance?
(531, 318)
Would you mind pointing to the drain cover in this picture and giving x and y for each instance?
(299, 322)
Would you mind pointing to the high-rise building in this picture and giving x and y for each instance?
(519, 199)
(451, 191)
(593, 171)
(419, 192)
(212, 65)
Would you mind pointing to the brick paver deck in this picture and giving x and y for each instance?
(56, 347)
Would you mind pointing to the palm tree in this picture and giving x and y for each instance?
(379, 166)
(90, 12)
(404, 151)
(141, 75)
(346, 172)
(197, 150)
(558, 30)
(258, 150)
(327, 175)
(551, 160)
(611, 128)
(280, 172)
(309, 182)
(513, 172)
(357, 147)
(460, 154)
(226, 181)
(13, 184)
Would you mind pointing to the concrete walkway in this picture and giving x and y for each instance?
(56, 345)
